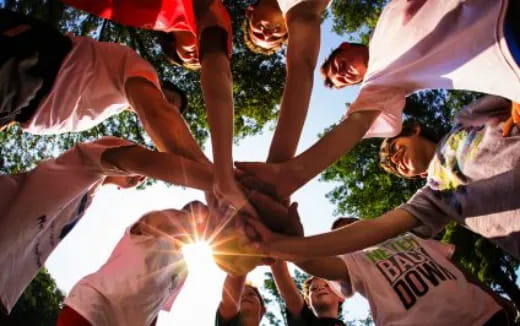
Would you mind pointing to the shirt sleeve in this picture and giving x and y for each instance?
(495, 195)
(429, 210)
(447, 250)
(219, 321)
(389, 101)
(90, 155)
(483, 110)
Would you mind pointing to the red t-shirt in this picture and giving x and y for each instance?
(159, 15)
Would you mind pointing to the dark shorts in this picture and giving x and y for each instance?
(31, 56)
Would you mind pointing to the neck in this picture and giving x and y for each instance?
(327, 312)
(249, 320)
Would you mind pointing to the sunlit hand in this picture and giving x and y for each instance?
(229, 194)
(514, 120)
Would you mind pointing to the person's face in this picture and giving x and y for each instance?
(186, 47)
(321, 295)
(250, 303)
(409, 156)
(124, 182)
(267, 27)
(349, 66)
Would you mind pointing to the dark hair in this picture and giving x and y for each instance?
(306, 285)
(386, 151)
(342, 221)
(326, 64)
(172, 87)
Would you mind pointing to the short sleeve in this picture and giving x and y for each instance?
(446, 250)
(136, 66)
(427, 208)
(91, 155)
(483, 110)
(389, 101)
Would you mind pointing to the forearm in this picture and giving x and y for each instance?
(302, 54)
(216, 84)
(287, 288)
(231, 293)
(162, 121)
(356, 236)
(167, 167)
(337, 142)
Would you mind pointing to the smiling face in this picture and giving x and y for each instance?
(408, 155)
(266, 26)
(321, 297)
(186, 47)
(346, 66)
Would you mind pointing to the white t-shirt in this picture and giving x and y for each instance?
(38, 208)
(286, 5)
(143, 275)
(426, 44)
(410, 281)
(89, 87)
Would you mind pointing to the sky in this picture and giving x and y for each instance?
(89, 245)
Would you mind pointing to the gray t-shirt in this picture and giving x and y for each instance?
(474, 178)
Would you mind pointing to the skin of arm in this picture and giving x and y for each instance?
(168, 167)
(329, 268)
(161, 120)
(353, 237)
(303, 23)
(288, 290)
(232, 289)
(289, 176)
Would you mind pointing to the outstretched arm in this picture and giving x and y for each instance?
(303, 24)
(289, 176)
(168, 167)
(353, 237)
(288, 290)
(232, 289)
(162, 120)
(329, 268)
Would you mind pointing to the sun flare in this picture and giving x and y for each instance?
(199, 256)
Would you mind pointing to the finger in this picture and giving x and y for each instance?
(516, 113)
(506, 129)
(254, 183)
(261, 230)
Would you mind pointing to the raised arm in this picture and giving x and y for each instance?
(329, 268)
(303, 24)
(288, 290)
(232, 289)
(353, 237)
(167, 167)
(161, 120)
(289, 176)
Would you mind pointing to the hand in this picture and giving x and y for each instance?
(276, 216)
(229, 194)
(271, 244)
(514, 120)
(269, 178)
